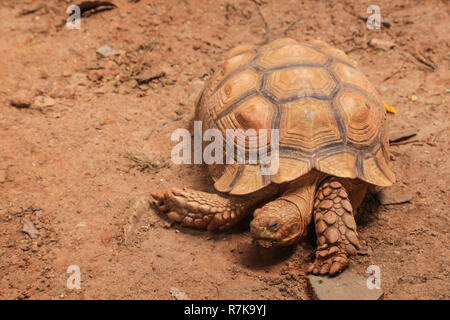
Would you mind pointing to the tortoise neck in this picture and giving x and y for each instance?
(301, 193)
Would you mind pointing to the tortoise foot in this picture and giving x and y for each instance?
(198, 209)
(329, 260)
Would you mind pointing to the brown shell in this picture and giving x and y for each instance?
(330, 117)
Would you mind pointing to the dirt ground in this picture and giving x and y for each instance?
(91, 142)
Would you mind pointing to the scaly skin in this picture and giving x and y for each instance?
(284, 220)
(335, 226)
(208, 210)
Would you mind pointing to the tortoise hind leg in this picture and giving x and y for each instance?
(335, 228)
(203, 210)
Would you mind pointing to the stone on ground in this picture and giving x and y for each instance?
(346, 286)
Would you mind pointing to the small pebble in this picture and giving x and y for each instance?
(21, 99)
(29, 228)
(43, 101)
(178, 294)
(38, 213)
(381, 44)
(107, 51)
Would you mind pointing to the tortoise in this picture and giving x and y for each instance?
(333, 144)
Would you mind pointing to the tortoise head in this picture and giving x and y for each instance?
(278, 223)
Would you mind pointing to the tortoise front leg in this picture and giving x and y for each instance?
(335, 225)
(205, 210)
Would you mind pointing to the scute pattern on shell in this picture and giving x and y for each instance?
(330, 118)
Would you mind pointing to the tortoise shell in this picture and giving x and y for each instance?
(330, 117)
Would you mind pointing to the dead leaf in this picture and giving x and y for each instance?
(30, 11)
(389, 109)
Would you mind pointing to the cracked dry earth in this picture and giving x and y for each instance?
(88, 141)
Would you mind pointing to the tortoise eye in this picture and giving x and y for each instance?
(274, 226)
